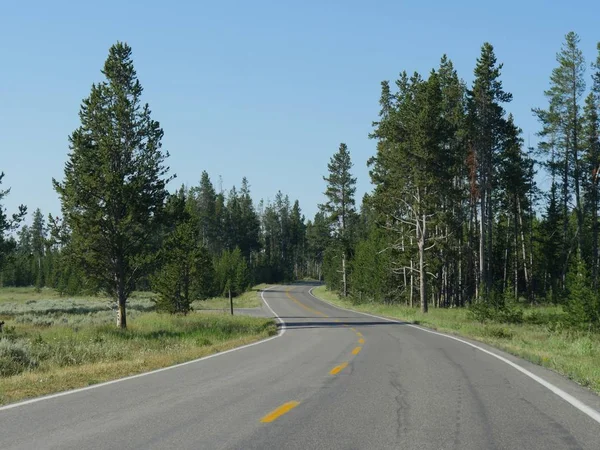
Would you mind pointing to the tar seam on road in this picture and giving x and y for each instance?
(280, 411)
(587, 410)
(139, 375)
(338, 369)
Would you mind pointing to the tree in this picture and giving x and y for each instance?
(562, 123)
(113, 190)
(7, 224)
(411, 170)
(38, 243)
(339, 208)
(486, 133)
(205, 199)
(232, 274)
(186, 271)
(317, 240)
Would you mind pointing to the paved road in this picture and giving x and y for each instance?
(333, 380)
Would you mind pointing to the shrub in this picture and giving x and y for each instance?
(15, 357)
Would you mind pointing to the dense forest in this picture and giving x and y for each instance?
(455, 217)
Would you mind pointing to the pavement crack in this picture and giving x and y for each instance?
(402, 408)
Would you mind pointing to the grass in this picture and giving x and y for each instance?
(249, 299)
(52, 344)
(575, 354)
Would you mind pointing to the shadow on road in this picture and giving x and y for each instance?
(332, 324)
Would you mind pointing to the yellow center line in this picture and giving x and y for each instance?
(361, 341)
(356, 350)
(338, 369)
(353, 329)
(359, 334)
(298, 302)
(273, 415)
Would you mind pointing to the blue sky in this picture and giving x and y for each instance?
(263, 89)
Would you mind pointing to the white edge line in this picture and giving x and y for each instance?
(139, 375)
(588, 410)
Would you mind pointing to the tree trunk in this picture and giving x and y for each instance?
(595, 260)
(422, 281)
(121, 311)
(482, 241)
(344, 282)
(412, 283)
(505, 278)
(526, 270)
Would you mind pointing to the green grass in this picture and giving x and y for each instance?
(575, 354)
(249, 299)
(52, 344)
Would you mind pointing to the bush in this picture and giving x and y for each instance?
(496, 309)
(15, 357)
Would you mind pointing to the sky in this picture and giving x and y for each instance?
(262, 89)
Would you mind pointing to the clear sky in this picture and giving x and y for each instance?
(263, 89)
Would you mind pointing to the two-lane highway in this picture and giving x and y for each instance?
(333, 379)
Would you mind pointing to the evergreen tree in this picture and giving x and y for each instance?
(562, 122)
(339, 208)
(38, 244)
(7, 224)
(114, 186)
(411, 169)
(248, 222)
(318, 238)
(185, 266)
(486, 134)
(205, 199)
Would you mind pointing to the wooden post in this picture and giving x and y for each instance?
(230, 302)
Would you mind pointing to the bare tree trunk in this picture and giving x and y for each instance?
(345, 286)
(412, 287)
(505, 279)
(422, 242)
(526, 270)
(482, 274)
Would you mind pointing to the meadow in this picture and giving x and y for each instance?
(51, 343)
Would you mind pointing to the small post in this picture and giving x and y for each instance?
(230, 302)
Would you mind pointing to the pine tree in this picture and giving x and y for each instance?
(591, 169)
(8, 224)
(562, 122)
(185, 266)
(340, 206)
(114, 182)
(318, 238)
(411, 170)
(249, 223)
(486, 134)
(205, 199)
(38, 243)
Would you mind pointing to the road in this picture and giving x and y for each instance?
(333, 379)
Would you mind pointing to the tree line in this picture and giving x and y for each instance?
(456, 217)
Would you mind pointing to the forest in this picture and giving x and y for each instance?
(457, 216)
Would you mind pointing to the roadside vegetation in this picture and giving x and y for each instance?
(49, 344)
(540, 334)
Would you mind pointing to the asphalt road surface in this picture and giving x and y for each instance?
(332, 379)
